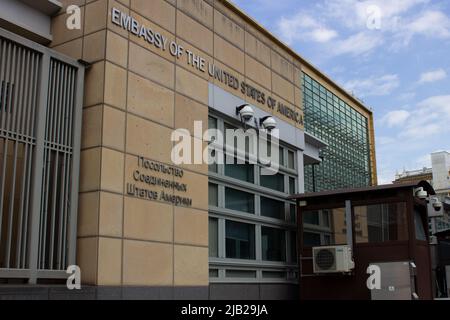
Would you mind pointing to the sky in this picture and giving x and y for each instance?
(394, 55)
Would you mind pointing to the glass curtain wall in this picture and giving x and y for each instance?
(346, 160)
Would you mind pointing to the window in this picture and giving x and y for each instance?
(293, 239)
(324, 227)
(281, 159)
(240, 273)
(274, 274)
(240, 240)
(420, 230)
(274, 182)
(242, 172)
(325, 218)
(311, 217)
(265, 229)
(239, 200)
(292, 213)
(291, 159)
(311, 239)
(380, 223)
(213, 238)
(291, 185)
(213, 195)
(273, 244)
(272, 208)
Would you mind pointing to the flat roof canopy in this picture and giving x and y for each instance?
(304, 196)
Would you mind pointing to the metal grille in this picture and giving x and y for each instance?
(40, 124)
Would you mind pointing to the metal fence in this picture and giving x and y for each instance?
(40, 124)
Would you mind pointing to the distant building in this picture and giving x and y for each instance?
(439, 177)
(425, 174)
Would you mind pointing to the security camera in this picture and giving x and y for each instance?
(268, 123)
(245, 112)
(420, 193)
(437, 205)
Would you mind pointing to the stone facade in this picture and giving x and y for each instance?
(136, 94)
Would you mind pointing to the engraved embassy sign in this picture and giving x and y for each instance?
(199, 63)
(143, 175)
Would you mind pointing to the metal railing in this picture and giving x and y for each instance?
(40, 125)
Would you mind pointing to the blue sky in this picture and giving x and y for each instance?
(392, 54)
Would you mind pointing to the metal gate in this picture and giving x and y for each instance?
(41, 95)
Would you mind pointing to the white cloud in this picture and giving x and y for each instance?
(302, 27)
(434, 24)
(432, 76)
(354, 14)
(357, 44)
(395, 118)
(398, 23)
(374, 86)
(430, 119)
(406, 96)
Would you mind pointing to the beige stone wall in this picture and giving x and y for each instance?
(135, 95)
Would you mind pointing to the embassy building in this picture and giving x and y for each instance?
(91, 95)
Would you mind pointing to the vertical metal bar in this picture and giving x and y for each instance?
(35, 63)
(78, 108)
(4, 73)
(3, 67)
(37, 169)
(63, 168)
(48, 159)
(67, 173)
(20, 131)
(9, 123)
(55, 139)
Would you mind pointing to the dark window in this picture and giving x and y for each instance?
(293, 246)
(242, 172)
(239, 200)
(291, 185)
(274, 182)
(311, 239)
(311, 217)
(273, 244)
(213, 238)
(240, 240)
(272, 208)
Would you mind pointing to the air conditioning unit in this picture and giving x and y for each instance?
(332, 259)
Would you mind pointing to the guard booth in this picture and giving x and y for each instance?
(355, 239)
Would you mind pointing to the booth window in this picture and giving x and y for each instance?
(420, 230)
(324, 227)
(240, 240)
(381, 223)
